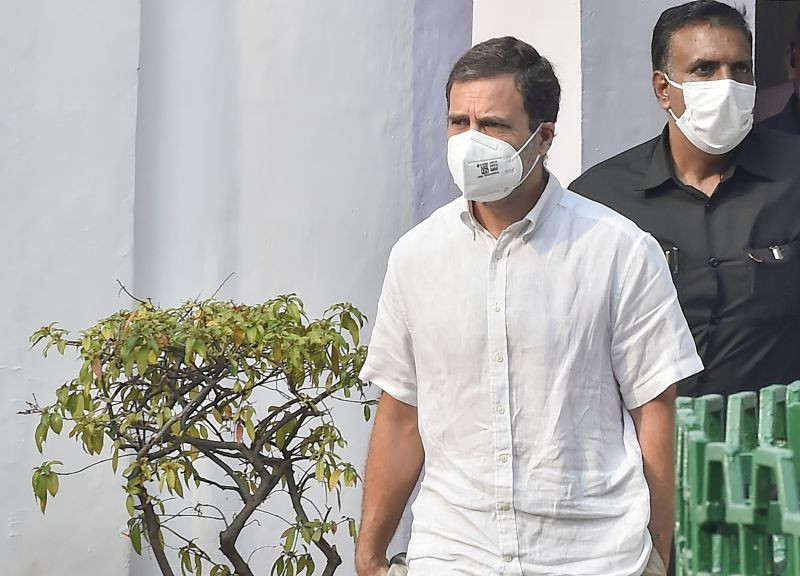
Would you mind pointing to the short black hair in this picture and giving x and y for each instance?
(533, 73)
(698, 12)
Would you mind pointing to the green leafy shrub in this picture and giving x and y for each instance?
(248, 390)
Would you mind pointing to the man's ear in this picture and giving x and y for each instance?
(546, 135)
(660, 86)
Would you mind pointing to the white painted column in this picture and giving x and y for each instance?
(186, 151)
(554, 29)
(67, 129)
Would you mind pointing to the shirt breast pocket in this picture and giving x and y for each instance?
(775, 276)
(673, 255)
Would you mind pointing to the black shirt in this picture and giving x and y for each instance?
(735, 257)
(788, 120)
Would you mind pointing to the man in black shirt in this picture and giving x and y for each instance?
(788, 120)
(722, 199)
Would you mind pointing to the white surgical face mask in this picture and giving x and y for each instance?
(485, 168)
(718, 115)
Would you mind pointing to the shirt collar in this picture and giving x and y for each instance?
(750, 155)
(551, 195)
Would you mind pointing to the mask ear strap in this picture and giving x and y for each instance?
(528, 141)
(675, 84)
(528, 173)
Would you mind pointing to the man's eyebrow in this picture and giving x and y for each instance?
(703, 61)
(708, 62)
(482, 120)
(494, 119)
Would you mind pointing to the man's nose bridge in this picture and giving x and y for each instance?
(473, 123)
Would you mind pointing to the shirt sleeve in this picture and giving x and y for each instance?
(651, 345)
(390, 359)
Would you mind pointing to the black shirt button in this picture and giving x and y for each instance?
(714, 319)
(713, 262)
(710, 206)
(703, 378)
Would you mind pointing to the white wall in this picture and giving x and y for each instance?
(554, 29)
(67, 127)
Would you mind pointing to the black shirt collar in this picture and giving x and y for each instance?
(749, 155)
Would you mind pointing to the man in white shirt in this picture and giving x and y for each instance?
(527, 343)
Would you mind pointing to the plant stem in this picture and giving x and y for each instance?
(331, 555)
(152, 525)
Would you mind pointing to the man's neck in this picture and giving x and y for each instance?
(499, 215)
(694, 167)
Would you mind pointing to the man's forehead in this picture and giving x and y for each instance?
(493, 93)
(706, 40)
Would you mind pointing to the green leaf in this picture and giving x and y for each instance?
(40, 484)
(288, 545)
(56, 423)
(136, 538)
(333, 481)
(129, 504)
(52, 483)
(351, 527)
(186, 561)
(142, 359)
(40, 435)
(350, 325)
(61, 345)
(115, 459)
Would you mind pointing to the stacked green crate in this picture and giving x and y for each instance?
(738, 480)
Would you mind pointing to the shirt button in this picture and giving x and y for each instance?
(499, 358)
(505, 507)
(713, 262)
(499, 256)
(710, 206)
(714, 319)
(496, 307)
(501, 410)
(504, 458)
(508, 558)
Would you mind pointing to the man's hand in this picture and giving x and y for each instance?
(655, 428)
(393, 467)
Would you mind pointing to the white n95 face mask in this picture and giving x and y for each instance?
(485, 168)
(718, 115)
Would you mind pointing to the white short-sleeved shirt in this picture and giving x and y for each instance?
(523, 355)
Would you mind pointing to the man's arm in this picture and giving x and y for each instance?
(655, 422)
(394, 463)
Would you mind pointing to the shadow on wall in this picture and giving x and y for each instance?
(775, 26)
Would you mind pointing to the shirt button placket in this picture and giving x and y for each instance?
(500, 367)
